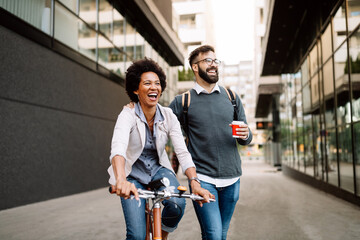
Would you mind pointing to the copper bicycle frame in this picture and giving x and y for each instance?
(153, 227)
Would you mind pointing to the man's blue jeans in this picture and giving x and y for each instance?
(214, 217)
(134, 214)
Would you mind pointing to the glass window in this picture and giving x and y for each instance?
(87, 41)
(297, 82)
(353, 14)
(70, 4)
(119, 29)
(139, 48)
(339, 27)
(326, 43)
(87, 12)
(37, 13)
(306, 98)
(300, 139)
(342, 85)
(300, 144)
(354, 50)
(106, 18)
(328, 79)
(345, 158)
(110, 57)
(305, 72)
(331, 151)
(66, 26)
(314, 63)
(357, 155)
(147, 50)
(308, 145)
(130, 41)
(315, 91)
(318, 146)
(329, 94)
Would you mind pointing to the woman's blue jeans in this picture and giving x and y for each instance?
(214, 217)
(134, 214)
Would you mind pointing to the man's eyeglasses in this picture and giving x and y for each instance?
(209, 61)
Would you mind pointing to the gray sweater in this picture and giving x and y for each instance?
(211, 144)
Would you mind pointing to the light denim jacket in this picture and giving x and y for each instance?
(130, 135)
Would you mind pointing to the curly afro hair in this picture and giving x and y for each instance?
(134, 72)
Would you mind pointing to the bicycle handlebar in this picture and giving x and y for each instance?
(147, 194)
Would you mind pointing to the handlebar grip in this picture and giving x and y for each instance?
(111, 190)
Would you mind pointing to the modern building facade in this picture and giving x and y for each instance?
(195, 28)
(313, 47)
(62, 87)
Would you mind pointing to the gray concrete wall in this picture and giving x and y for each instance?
(56, 123)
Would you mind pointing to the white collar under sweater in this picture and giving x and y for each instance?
(199, 89)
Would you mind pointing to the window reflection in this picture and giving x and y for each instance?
(354, 50)
(315, 91)
(318, 146)
(305, 72)
(308, 145)
(70, 4)
(140, 46)
(37, 13)
(353, 14)
(314, 63)
(87, 41)
(106, 18)
(329, 94)
(326, 43)
(306, 98)
(66, 26)
(148, 50)
(357, 154)
(110, 57)
(331, 150)
(345, 158)
(130, 41)
(342, 86)
(87, 12)
(339, 27)
(119, 29)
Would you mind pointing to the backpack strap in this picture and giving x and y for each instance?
(232, 97)
(185, 101)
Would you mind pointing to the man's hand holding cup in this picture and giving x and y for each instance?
(239, 130)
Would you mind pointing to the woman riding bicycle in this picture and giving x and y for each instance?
(138, 153)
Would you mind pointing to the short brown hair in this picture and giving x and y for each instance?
(197, 51)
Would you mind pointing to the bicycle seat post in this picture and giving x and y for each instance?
(157, 220)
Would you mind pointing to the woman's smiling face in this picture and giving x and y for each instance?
(149, 90)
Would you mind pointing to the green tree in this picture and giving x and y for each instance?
(186, 75)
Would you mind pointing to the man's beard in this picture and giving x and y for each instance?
(206, 77)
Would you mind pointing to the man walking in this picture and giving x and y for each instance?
(211, 142)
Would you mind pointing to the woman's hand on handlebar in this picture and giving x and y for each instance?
(126, 189)
(198, 190)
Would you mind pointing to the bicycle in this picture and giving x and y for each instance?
(153, 213)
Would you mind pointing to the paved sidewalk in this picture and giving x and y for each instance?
(271, 207)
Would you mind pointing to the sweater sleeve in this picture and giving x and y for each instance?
(176, 107)
(242, 117)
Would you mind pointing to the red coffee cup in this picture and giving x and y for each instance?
(235, 125)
